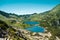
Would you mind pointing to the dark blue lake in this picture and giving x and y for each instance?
(36, 29)
(31, 22)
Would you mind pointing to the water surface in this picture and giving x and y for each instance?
(31, 22)
(36, 29)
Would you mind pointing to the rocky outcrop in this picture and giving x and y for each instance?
(56, 22)
(27, 35)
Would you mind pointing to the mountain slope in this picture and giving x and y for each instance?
(50, 20)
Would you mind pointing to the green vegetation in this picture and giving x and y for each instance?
(13, 19)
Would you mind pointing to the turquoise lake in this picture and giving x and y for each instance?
(35, 28)
(31, 22)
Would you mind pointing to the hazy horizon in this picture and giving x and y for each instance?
(22, 7)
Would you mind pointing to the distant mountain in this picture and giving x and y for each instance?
(54, 11)
(4, 13)
(14, 19)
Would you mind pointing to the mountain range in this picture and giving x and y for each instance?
(49, 20)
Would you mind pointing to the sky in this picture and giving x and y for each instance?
(22, 7)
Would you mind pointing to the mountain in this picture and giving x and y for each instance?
(54, 11)
(50, 20)
(14, 19)
(4, 14)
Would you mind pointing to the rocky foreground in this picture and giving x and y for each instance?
(27, 35)
(9, 33)
(36, 36)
